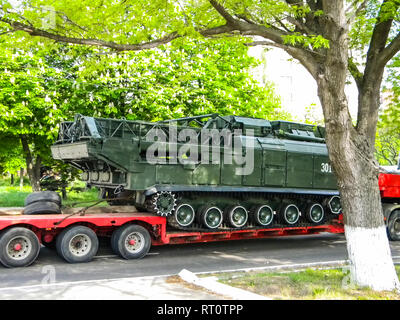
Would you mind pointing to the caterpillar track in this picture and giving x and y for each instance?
(198, 211)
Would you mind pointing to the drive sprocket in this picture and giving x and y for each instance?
(162, 203)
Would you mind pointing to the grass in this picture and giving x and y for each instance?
(13, 196)
(308, 284)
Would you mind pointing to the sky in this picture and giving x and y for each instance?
(297, 88)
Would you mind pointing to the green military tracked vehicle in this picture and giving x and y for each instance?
(207, 172)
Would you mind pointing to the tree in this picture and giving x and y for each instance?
(387, 146)
(28, 111)
(321, 34)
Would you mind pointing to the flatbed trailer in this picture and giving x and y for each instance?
(132, 234)
(75, 236)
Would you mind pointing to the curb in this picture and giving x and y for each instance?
(211, 284)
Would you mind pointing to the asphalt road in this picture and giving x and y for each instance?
(171, 259)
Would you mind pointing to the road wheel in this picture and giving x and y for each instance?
(262, 215)
(77, 244)
(210, 217)
(290, 214)
(42, 207)
(236, 216)
(393, 226)
(131, 241)
(315, 213)
(19, 247)
(47, 196)
(184, 215)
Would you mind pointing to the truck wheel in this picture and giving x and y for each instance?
(131, 241)
(43, 196)
(19, 247)
(42, 207)
(393, 226)
(77, 244)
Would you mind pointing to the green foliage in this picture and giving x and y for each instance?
(184, 79)
(387, 146)
(388, 134)
(124, 22)
(27, 104)
(313, 41)
(11, 159)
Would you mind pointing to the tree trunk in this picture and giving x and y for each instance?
(21, 178)
(32, 165)
(351, 151)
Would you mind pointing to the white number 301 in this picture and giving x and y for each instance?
(326, 167)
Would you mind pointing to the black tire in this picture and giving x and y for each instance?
(77, 244)
(393, 226)
(42, 207)
(19, 247)
(40, 196)
(138, 234)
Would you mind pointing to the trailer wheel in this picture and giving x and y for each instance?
(43, 196)
(393, 226)
(19, 247)
(42, 207)
(131, 242)
(77, 244)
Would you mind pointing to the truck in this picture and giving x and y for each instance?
(292, 191)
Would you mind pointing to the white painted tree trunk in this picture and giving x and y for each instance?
(370, 258)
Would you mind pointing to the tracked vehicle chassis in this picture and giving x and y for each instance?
(205, 211)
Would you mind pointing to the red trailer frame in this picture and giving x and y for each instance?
(46, 227)
(16, 230)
